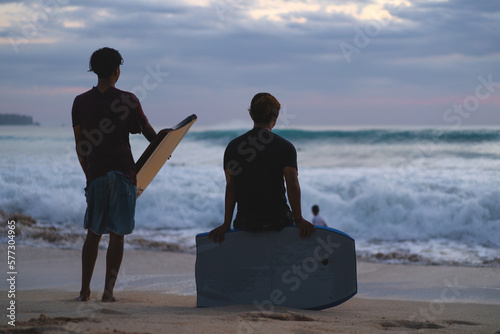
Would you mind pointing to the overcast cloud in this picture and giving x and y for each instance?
(330, 63)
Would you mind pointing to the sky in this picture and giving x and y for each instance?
(329, 63)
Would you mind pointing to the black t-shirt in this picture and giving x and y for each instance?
(106, 120)
(256, 160)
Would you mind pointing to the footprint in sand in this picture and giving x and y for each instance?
(285, 316)
(423, 325)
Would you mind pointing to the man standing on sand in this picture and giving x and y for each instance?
(255, 165)
(103, 118)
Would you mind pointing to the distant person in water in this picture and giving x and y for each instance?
(317, 219)
(255, 165)
(103, 118)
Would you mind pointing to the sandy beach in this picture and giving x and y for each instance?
(158, 295)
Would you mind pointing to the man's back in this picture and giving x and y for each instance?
(257, 159)
(106, 119)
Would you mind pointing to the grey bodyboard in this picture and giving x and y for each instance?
(268, 269)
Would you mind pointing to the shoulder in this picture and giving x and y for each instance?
(129, 103)
(81, 102)
(283, 140)
(85, 95)
(284, 144)
(241, 138)
(126, 96)
(126, 93)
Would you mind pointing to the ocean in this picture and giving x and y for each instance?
(406, 195)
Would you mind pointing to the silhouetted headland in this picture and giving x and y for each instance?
(14, 119)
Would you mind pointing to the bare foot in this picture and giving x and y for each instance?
(83, 297)
(107, 299)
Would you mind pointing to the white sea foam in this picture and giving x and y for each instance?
(428, 201)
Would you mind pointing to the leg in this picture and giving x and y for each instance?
(113, 262)
(89, 257)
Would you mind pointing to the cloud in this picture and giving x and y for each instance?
(405, 55)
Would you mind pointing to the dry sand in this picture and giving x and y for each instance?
(157, 295)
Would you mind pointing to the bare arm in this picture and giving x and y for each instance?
(217, 234)
(293, 192)
(230, 198)
(149, 132)
(82, 157)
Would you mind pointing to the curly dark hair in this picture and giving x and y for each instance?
(264, 107)
(104, 62)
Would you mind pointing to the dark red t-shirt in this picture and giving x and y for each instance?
(106, 120)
